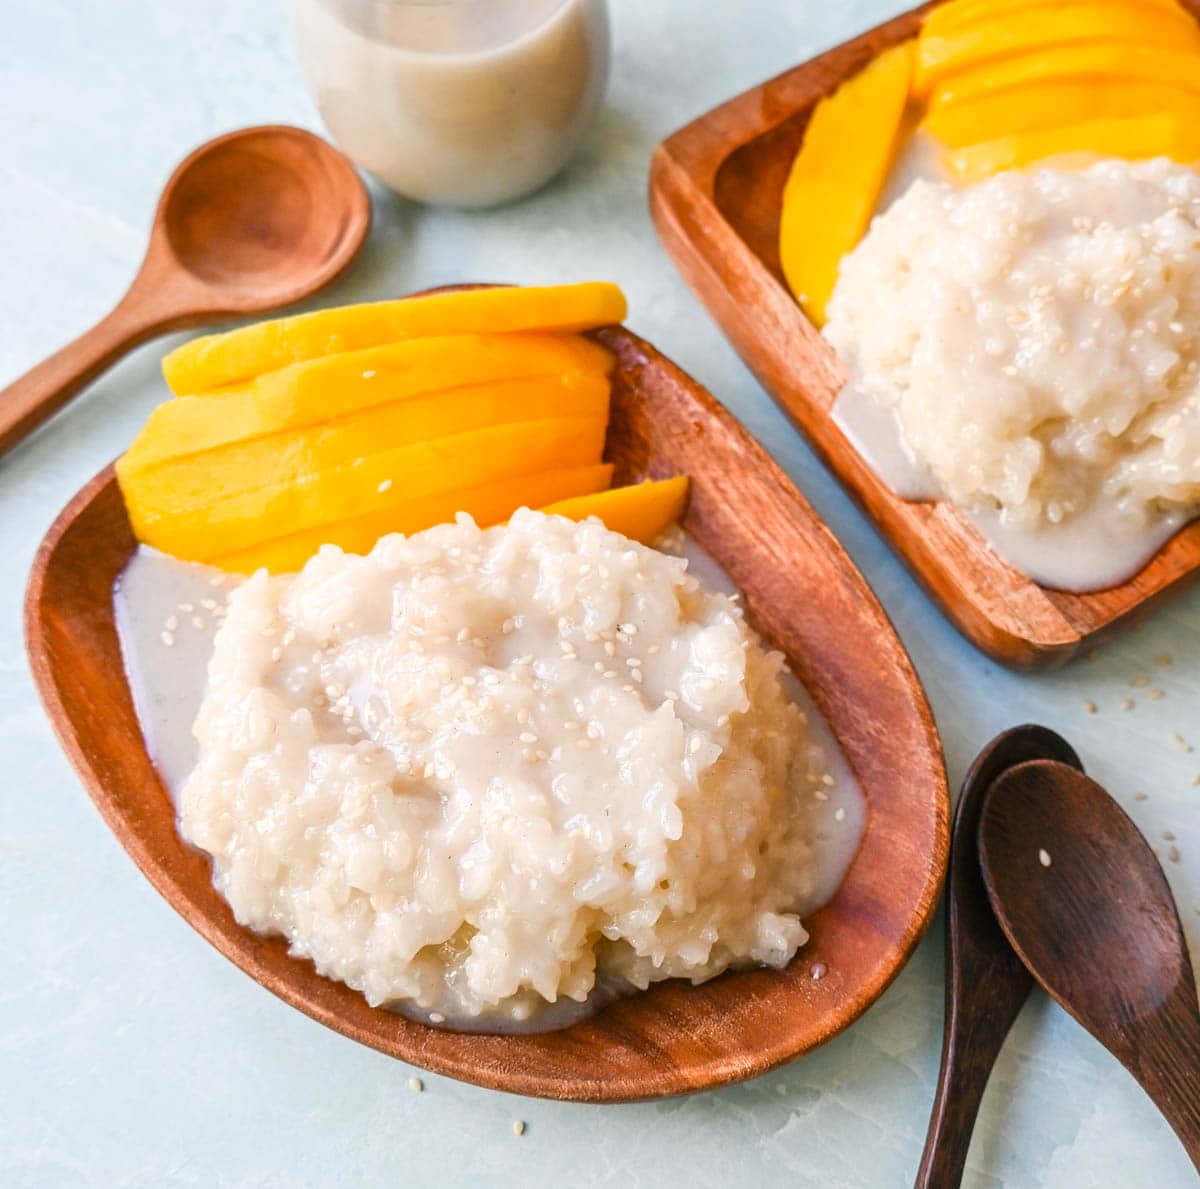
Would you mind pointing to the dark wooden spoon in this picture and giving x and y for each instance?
(1084, 902)
(986, 984)
(249, 222)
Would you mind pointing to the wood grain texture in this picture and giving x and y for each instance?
(801, 592)
(1096, 924)
(249, 222)
(986, 983)
(715, 192)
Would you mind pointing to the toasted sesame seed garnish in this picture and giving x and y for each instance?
(386, 485)
(632, 661)
(370, 374)
(840, 815)
(1155, 694)
(1140, 796)
(518, 1127)
(1140, 680)
(167, 638)
(1044, 858)
(436, 1017)
(527, 737)
(1090, 707)
(818, 971)
(186, 608)
(627, 629)
(1180, 742)
(198, 622)
(1168, 836)
(416, 1085)
(172, 623)
(1173, 854)
(1126, 703)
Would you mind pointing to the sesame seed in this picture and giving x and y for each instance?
(172, 623)
(695, 744)
(1168, 836)
(386, 485)
(818, 972)
(518, 1128)
(1090, 707)
(416, 1085)
(1140, 796)
(370, 374)
(527, 737)
(1044, 858)
(1126, 703)
(167, 638)
(708, 684)
(1180, 742)
(436, 1017)
(1173, 854)
(632, 662)
(198, 622)
(627, 629)
(840, 816)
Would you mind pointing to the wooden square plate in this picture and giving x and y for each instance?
(802, 593)
(715, 193)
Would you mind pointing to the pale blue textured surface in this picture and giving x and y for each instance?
(131, 1053)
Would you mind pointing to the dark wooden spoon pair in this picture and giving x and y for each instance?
(1051, 881)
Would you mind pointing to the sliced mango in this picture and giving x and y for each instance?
(1100, 63)
(215, 361)
(1053, 104)
(181, 483)
(838, 173)
(959, 14)
(1135, 137)
(642, 511)
(310, 393)
(489, 503)
(380, 482)
(1047, 28)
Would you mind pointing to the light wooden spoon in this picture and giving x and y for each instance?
(248, 222)
(1084, 902)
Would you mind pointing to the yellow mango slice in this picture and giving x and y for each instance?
(307, 394)
(1053, 104)
(960, 14)
(838, 173)
(489, 503)
(642, 511)
(1046, 28)
(379, 482)
(1133, 138)
(181, 483)
(214, 361)
(1104, 62)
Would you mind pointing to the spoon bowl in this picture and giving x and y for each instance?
(262, 217)
(249, 222)
(1084, 903)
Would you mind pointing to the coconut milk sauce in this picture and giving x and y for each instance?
(167, 612)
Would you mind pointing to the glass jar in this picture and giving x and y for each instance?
(457, 102)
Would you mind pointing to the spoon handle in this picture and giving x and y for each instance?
(45, 388)
(975, 1030)
(1167, 1065)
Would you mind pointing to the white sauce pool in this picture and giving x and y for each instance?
(167, 612)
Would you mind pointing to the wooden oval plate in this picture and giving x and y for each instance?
(802, 593)
(715, 193)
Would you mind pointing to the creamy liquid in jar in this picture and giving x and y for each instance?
(456, 102)
(167, 612)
